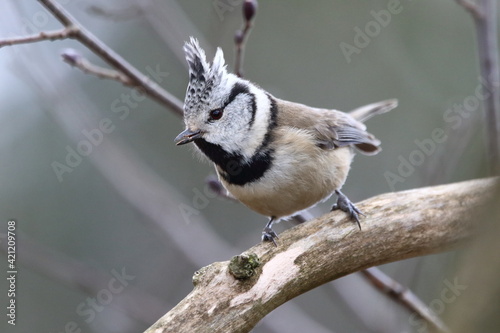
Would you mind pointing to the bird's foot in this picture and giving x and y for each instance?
(345, 205)
(268, 235)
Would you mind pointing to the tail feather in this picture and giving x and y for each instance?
(364, 113)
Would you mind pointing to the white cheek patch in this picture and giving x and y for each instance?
(259, 128)
(244, 132)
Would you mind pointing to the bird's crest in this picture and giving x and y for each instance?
(203, 77)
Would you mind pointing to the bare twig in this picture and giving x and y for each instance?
(44, 35)
(403, 296)
(484, 13)
(249, 10)
(117, 14)
(471, 7)
(73, 29)
(84, 36)
(399, 226)
(125, 72)
(75, 59)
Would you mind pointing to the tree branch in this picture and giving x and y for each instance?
(44, 35)
(377, 278)
(73, 29)
(484, 13)
(75, 59)
(398, 226)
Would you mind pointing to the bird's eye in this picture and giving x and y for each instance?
(216, 114)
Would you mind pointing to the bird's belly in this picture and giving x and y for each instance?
(301, 180)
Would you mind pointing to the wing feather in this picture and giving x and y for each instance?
(331, 128)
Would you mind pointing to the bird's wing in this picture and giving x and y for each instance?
(332, 129)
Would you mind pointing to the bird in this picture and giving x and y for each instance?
(277, 157)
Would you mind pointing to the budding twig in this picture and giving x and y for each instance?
(249, 10)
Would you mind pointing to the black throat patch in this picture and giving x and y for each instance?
(232, 167)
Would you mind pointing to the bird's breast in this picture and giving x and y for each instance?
(301, 175)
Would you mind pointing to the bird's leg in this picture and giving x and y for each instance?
(345, 205)
(268, 234)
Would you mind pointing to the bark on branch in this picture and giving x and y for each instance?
(397, 226)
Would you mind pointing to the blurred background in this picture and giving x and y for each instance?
(108, 242)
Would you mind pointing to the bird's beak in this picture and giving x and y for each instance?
(187, 136)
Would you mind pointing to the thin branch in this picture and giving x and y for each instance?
(403, 296)
(44, 35)
(487, 36)
(240, 37)
(73, 29)
(116, 14)
(484, 13)
(84, 36)
(75, 59)
(398, 226)
(471, 7)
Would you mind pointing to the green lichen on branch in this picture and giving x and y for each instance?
(243, 266)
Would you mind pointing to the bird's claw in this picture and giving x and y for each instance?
(268, 235)
(345, 205)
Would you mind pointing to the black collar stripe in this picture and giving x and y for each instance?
(232, 166)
